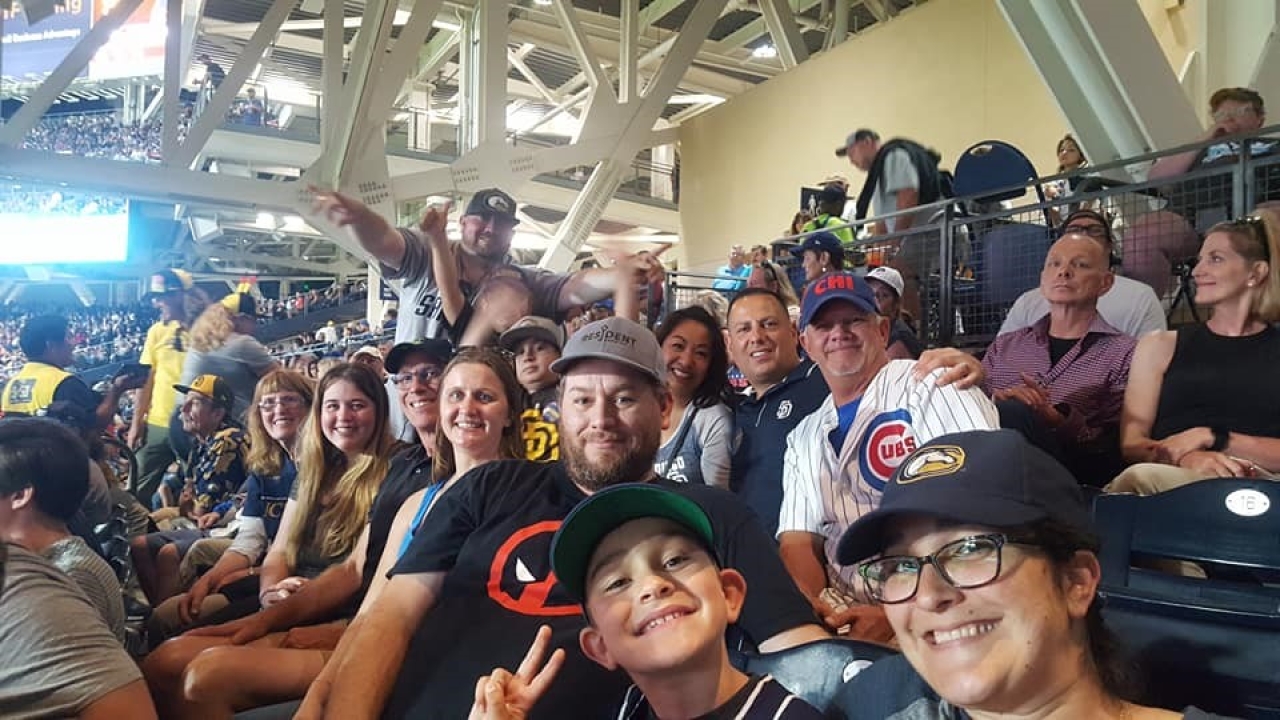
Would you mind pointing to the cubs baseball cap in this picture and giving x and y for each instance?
(856, 136)
(838, 285)
(532, 326)
(617, 339)
(492, 202)
(605, 511)
(888, 276)
(982, 477)
(438, 350)
(169, 280)
(212, 387)
(240, 303)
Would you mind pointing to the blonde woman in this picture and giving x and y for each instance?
(343, 461)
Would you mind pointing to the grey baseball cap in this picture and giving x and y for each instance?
(532, 326)
(620, 340)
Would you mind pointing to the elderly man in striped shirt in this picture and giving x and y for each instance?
(1061, 380)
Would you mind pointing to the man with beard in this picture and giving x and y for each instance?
(489, 284)
(476, 581)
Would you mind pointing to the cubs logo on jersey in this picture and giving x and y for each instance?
(886, 442)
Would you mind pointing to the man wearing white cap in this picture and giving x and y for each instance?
(887, 285)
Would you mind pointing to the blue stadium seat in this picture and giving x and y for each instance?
(816, 671)
(1007, 254)
(1213, 642)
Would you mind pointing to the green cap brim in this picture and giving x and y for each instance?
(602, 513)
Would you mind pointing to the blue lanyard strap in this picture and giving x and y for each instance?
(418, 516)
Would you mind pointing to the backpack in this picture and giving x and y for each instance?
(935, 183)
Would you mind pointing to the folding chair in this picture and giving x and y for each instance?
(814, 671)
(1007, 254)
(1212, 642)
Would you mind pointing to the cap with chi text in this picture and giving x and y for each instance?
(982, 477)
(212, 387)
(616, 339)
(840, 285)
(605, 511)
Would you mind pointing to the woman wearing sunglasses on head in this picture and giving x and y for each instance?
(983, 557)
(1201, 400)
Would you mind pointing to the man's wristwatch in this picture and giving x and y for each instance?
(1221, 438)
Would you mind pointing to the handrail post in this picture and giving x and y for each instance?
(946, 306)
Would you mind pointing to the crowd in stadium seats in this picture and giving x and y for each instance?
(515, 499)
(101, 334)
(102, 135)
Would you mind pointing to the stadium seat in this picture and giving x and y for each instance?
(1007, 254)
(1213, 642)
(816, 671)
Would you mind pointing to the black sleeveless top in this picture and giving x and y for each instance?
(1215, 381)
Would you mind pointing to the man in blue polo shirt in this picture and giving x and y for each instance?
(783, 390)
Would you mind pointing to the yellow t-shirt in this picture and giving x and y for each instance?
(165, 351)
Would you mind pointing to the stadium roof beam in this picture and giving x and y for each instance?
(586, 56)
(838, 30)
(636, 119)
(781, 21)
(215, 111)
(877, 9)
(757, 28)
(39, 102)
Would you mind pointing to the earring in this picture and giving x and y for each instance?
(1249, 283)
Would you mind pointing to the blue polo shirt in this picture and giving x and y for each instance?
(265, 497)
(762, 425)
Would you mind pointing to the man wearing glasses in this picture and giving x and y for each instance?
(1129, 306)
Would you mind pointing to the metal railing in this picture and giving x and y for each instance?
(992, 253)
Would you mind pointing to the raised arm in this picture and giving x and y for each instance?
(443, 266)
(377, 236)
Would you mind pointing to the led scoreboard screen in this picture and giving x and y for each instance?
(33, 50)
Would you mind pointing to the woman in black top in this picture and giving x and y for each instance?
(1201, 401)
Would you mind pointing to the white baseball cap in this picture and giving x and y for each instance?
(888, 276)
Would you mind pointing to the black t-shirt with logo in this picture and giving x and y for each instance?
(492, 535)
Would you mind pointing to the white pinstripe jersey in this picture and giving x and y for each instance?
(823, 493)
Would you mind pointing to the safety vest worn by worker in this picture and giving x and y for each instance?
(32, 388)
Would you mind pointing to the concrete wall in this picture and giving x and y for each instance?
(948, 73)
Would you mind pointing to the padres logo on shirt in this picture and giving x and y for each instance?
(886, 442)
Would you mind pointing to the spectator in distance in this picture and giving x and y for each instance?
(1154, 242)
(886, 283)
(1008, 621)
(535, 342)
(831, 201)
(839, 458)
(1129, 306)
(770, 276)
(1061, 381)
(1201, 400)
(372, 357)
(222, 344)
(820, 253)
(732, 276)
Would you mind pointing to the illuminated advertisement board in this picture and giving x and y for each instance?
(30, 52)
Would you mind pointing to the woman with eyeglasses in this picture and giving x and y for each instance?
(983, 557)
(770, 276)
(1201, 401)
(343, 460)
(696, 444)
(280, 405)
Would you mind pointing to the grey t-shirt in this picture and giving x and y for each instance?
(241, 361)
(92, 575)
(898, 173)
(705, 451)
(59, 657)
(422, 312)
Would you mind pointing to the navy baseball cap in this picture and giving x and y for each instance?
(438, 350)
(839, 285)
(605, 511)
(982, 477)
(822, 242)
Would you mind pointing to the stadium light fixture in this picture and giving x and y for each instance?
(765, 52)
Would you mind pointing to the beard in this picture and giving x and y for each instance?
(635, 465)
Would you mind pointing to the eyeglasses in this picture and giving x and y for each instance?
(284, 402)
(967, 563)
(1239, 112)
(424, 375)
(1093, 231)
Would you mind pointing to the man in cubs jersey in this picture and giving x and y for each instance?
(839, 457)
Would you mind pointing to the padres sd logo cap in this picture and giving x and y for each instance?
(983, 477)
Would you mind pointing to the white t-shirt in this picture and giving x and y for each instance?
(1129, 306)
